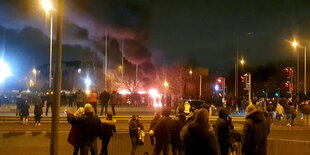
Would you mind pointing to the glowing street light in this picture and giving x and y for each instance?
(46, 5)
(79, 70)
(166, 84)
(5, 70)
(294, 44)
(190, 72)
(34, 71)
(87, 82)
(242, 61)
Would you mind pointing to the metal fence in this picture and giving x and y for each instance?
(120, 144)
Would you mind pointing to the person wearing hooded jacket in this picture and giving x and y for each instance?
(198, 138)
(255, 131)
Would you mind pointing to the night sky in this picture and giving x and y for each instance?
(159, 32)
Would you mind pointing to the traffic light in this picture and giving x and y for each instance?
(289, 83)
(243, 79)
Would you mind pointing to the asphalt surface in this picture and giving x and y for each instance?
(32, 140)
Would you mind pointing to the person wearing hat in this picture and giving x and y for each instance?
(255, 131)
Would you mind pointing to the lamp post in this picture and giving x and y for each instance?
(166, 85)
(242, 62)
(34, 71)
(305, 71)
(295, 44)
(47, 6)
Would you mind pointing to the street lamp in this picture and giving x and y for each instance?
(295, 44)
(34, 71)
(242, 61)
(166, 85)
(190, 72)
(48, 6)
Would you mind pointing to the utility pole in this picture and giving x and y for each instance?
(122, 60)
(200, 86)
(137, 71)
(305, 72)
(58, 80)
(249, 86)
(236, 69)
(105, 59)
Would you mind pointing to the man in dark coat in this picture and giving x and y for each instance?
(80, 98)
(104, 99)
(134, 127)
(49, 100)
(153, 126)
(255, 131)
(222, 127)
(198, 138)
(38, 105)
(163, 133)
(89, 125)
(176, 127)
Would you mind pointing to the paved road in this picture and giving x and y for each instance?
(36, 142)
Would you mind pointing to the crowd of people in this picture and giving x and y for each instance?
(79, 98)
(86, 128)
(188, 136)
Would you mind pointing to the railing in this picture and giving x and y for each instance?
(120, 144)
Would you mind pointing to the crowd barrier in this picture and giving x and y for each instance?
(120, 144)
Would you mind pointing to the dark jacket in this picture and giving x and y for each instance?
(199, 140)
(154, 123)
(255, 132)
(270, 108)
(74, 137)
(38, 108)
(24, 107)
(104, 97)
(222, 128)
(133, 127)
(107, 129)
(163, 130)
(176, 127)
(89, 125)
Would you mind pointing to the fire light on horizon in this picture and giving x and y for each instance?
(124, 92)
(156, 96)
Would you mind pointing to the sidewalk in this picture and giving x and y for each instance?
(10, 110)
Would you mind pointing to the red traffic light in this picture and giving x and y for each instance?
(286, 84)
(242, 78)
(219, 80)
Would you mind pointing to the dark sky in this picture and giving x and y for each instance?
(160, 32)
